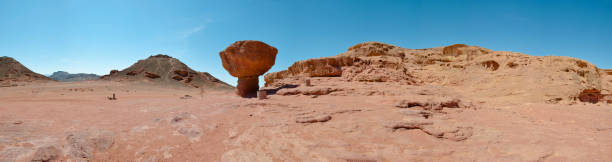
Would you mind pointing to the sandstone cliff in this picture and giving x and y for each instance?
(477, 71)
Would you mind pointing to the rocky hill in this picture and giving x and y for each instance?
(165, 70)
(13, 73)
(473, 70)
(63, 76)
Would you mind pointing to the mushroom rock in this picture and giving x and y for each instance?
(247, 60)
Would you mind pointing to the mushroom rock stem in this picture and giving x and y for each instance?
(247, 86)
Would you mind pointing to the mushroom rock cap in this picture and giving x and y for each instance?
(248, 58)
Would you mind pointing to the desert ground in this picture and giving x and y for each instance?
(76, 122)
(375, 102)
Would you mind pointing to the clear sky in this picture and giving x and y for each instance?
(87, 36)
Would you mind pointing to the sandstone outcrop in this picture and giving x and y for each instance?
(247, 60)
(436, 129)
(482, 72)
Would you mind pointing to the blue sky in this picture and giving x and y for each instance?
(97, 36)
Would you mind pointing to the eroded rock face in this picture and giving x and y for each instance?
(486, 73)
(247, 60)
(365, 62)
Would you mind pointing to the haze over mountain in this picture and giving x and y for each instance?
(63, 76)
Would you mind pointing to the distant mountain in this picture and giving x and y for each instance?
(13, 72)
(63, 76)
(167, 71)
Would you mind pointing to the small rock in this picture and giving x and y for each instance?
(416, 113)
(554, 100)
(187, 97)
(408, 104)
(18, 122)
(313, 119)
(453, 103)
(409, 124)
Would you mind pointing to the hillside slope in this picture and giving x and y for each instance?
(12, 72)
(167, 71)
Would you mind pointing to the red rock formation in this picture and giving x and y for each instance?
(114, 72)
(177, 78)
(182, 73)
(131, 73)
(151, 75)
(590, 95)
(247, 60)
(607, 71)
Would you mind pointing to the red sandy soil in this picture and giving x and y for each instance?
(358, 121)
